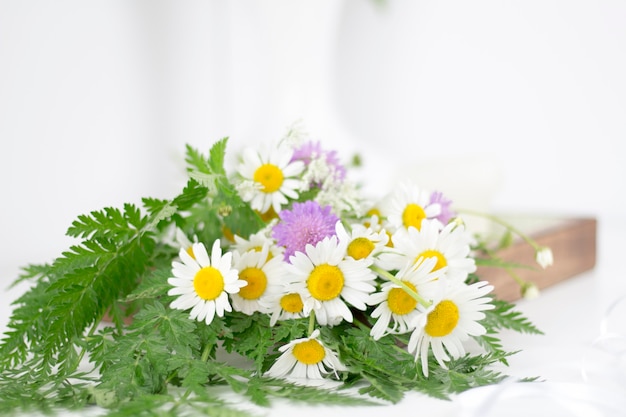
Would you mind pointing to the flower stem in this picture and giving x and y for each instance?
(387, 275)
(205, 352)
(503, 223)
(311, 322)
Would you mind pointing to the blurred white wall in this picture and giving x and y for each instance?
(506, 104)
(534, 90)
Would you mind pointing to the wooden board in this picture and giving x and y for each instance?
(573, 244)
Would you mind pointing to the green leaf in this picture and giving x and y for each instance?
(382, 388)
(470, 371)
(206, 180)
(152, 285)
(108, 222)
(503, 316)
(251, 338)
(207, 171)
(216, 157)
(506, 239)
(191, 195)
(501, 263)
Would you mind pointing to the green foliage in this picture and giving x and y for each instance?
(388, 370)
(504, 316)
(95, 328)
(252, 337)
(226, 207)
(80, 286)
(470, 371)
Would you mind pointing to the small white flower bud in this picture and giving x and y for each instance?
(530, 290)
(543, 256)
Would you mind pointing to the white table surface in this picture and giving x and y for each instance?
(582, 372)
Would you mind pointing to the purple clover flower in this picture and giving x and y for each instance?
(310, 150)
(306, 223)
(446, 212)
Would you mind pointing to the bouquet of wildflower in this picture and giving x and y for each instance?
(278, 279)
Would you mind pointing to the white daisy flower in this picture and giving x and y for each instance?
(204, 282)
(408, 206)
(183, 241)
(256, 242)
(373, 221)
(285, 305)
(327, 281)
(395, 304)
(263, 275)
(447, 323)
(450, 245)
(274, 175)
(362, 242)
(305, 361)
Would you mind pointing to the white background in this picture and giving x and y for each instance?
(504, 105)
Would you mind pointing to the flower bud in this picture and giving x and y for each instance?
(530, 290)
(543, 256)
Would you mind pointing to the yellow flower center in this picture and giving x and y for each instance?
(309, 352)
(390, 241)
(400, 302)
(443, 319)
(292, 303)
(360, 248)
(268, 215)
(325, 282)
(430, 253)
(373, 212)
(257, 282)
(413, 215)
(270, 176)
(228, 234)
(208, 283)
(259, 249)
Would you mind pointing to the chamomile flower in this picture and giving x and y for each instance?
(263, 276)
(184, 242)
(448, 322)
(328, 281)
(450, 245)
(204, 282)
(272, 178)
(374, 221)
(256, 242)
(305, 361)
(362, 242)
(285, 305)
(396, 306)
(409, 205)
